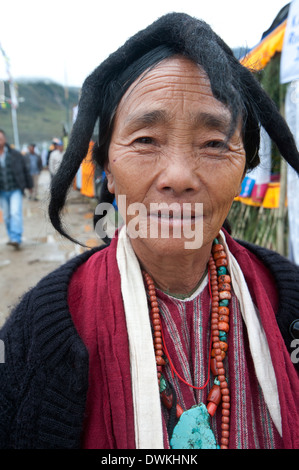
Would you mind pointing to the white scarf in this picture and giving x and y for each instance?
(146, 397)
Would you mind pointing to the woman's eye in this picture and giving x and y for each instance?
(218, 144)
(144, 140)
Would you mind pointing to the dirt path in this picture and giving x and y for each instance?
(42, 249)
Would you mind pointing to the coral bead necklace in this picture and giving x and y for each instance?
(220, 291)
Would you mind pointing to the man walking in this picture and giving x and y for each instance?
(34, 162)
(14, 178)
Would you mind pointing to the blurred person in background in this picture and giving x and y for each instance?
(56, 158)
(34, 163)
(14, 179)
(53, 146)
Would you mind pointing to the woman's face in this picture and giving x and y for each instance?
(169, 145)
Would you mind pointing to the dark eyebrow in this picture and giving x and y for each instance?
(147, 119)
(221, 122)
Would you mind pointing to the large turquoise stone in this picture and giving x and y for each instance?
(193, 430)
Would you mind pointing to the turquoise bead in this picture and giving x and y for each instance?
(224, 303)
(216, 242)
(223, 336)
(163, 384)
(221, 270)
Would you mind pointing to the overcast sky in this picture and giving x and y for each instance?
(64, 40)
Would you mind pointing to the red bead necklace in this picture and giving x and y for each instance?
(220, 291)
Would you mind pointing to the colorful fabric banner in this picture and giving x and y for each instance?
(289, 64)
(247, 187)
(260, 55)
(269, 200)
(255, 184)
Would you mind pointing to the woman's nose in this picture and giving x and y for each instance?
(178, 177)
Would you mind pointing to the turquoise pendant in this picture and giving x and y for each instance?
(193, 430)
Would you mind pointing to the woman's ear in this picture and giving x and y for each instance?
(110, 178)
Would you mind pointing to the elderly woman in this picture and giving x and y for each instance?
(161, 341)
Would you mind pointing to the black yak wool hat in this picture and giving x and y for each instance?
(172, 34)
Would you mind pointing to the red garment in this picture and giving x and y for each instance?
(96, 306)
(264, 296)
(187, 331)
(97, 309)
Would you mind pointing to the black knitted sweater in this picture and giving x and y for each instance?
(44, 378)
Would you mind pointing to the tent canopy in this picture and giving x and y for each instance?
(271, 43)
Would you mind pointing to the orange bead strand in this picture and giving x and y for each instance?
(220, 290)
(218, 263)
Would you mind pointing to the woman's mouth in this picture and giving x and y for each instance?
(178, 217)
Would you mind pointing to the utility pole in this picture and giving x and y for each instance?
(67, 102)
(14, 119)
(13, 99)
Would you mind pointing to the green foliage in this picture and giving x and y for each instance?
(270, 80)
(256, 224)
(269, 77)
(43, 112)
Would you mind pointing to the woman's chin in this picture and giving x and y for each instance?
(163, 247)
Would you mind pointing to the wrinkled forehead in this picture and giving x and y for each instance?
(173, 81)
(171, 70)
